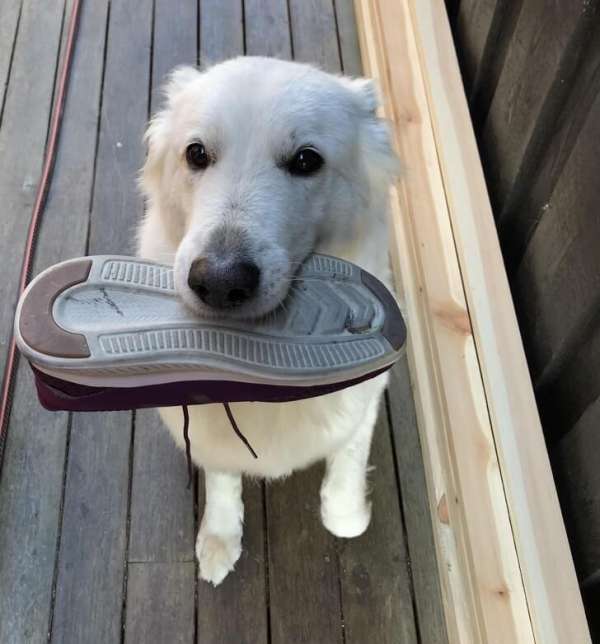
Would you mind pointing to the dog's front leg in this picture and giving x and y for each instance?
(345, 509)
(219, 542)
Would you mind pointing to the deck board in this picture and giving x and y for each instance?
(24, 129)
(32, 473)
(90, 577)
(98, 540)
(314, 34)
(160, 608)
(375, 578)
(221, 30)
(96, 502)
(162, 509)
(419, 532)
(267, 28)
(304, 588)
(236, 611)
(9, 27)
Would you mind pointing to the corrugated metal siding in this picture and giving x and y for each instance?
(532, 75)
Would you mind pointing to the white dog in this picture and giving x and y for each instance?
(251, 165)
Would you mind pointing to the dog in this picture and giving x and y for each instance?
(252, 164)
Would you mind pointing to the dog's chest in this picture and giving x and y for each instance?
(286, 436)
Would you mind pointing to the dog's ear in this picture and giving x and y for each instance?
(375, 132)
(367, 94)
(179, 79)
(155, 138)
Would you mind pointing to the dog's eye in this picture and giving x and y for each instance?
(306, 161)
(197, 156)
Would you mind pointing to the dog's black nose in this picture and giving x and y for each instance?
(223, 284)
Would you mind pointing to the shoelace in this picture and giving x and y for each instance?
(186, 437)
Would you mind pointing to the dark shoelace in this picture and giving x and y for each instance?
(186, 437)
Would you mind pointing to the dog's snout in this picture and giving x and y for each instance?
(223, 285)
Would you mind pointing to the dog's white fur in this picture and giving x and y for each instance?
(252, 114)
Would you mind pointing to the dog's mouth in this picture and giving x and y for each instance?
(252, 285)
(268, 302)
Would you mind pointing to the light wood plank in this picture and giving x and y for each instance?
(267, 28)
(553, 597)
(314, 33)
(376, 595)
(483, 591)
(413, 494)
(221, 30)
(32, 472)
(160, 606)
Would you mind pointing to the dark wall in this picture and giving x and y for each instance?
(531, 70)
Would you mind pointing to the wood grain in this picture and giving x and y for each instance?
(160, 607)
(348, 37)
(30, 499)
(96, 500)
(10, 13)
(34, 460)
(237, 609)
(305, 604)
(24, 129)
(484, 602)
(92, 547)
(413, 495)
(221, 30)
(162, 509)
(117, 206)
(314, 33)
(376, 595)
(175, 42)
(267, 28)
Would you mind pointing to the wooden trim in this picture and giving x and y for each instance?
(504, 562)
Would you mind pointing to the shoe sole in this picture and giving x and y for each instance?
(109, 321)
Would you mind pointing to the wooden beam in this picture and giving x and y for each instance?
(505, 566)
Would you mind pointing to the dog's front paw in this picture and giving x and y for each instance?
(217, 555)
(345, 520)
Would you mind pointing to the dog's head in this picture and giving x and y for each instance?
(251, 165)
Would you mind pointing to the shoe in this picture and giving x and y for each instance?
(109, 333)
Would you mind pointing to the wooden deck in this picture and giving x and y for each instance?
(97, 528)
